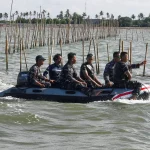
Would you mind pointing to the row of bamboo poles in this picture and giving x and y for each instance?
(134, 34)
(34, 35)
(19, 37)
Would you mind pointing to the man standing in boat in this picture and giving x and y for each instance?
(122, 76)
(108, 72)
(54, 70)
(87, 73)
(35, 77)
(69, 78)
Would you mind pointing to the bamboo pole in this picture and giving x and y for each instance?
(145, 59)
(20, 55)
(119, 45)
(90, 46)
(95, 56)
(130, 52)
(122, 46)
(61, 51)
(83, 49)
(108, 52)
(6, 52)
(24, 53)
(98, 65)
(49, 54)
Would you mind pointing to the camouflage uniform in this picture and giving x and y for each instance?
(121, 79)
(108, 72)
(35, 75)
(90, 70)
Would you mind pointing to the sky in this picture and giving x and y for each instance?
(93, 7)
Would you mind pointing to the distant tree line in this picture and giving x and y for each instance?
(75, 18)
(132, 21)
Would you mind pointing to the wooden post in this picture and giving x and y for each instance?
(108, 52)
(145, 59)
(48, 43)
(98, 66)
(52, 46)
(83, 49)
(20, 55)
(60, 42)
(122, 46)
(130, 52)
(24, 55)
(6, 52)
(95, 56)
(90, 46)
(119, 45)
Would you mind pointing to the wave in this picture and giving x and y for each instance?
(126, 101)
(4, 86)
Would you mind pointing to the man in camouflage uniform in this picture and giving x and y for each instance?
(70, 80)
(35, 77)
(122, 76)
(108, 71)
(87, 73)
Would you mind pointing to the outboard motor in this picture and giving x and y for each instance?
(22, 79)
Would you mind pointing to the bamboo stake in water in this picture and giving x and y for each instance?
(49, 58)
(83, 49)
(52, 46)
(90, 46)
(6, 53)
(108, 52)
(119, 44)
(20, 55)
(24, 55)
(130, 53)
(98, 66)
(145, 59)
(122, 46)
(61, 51)
(95, 56)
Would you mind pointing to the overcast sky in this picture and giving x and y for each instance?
(116, 7)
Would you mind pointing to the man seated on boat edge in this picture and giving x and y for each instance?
(122, 76)
(87, 73)
(69, 79)
(54, 70)
(108, 71)
(35, 77)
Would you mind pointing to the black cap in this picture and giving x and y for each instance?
(39, 57)
(89, 55)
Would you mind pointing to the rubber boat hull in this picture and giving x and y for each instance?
(73, 96)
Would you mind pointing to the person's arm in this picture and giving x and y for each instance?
(33, 77)
(39, 84)
(128, 74)
(135, 66)
(68, 75)
(82, 81)
(46, 72)
(89, 78)
(97, 80)
(106, 74)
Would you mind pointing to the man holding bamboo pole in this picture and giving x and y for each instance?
(122, 76)
(108, 72)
